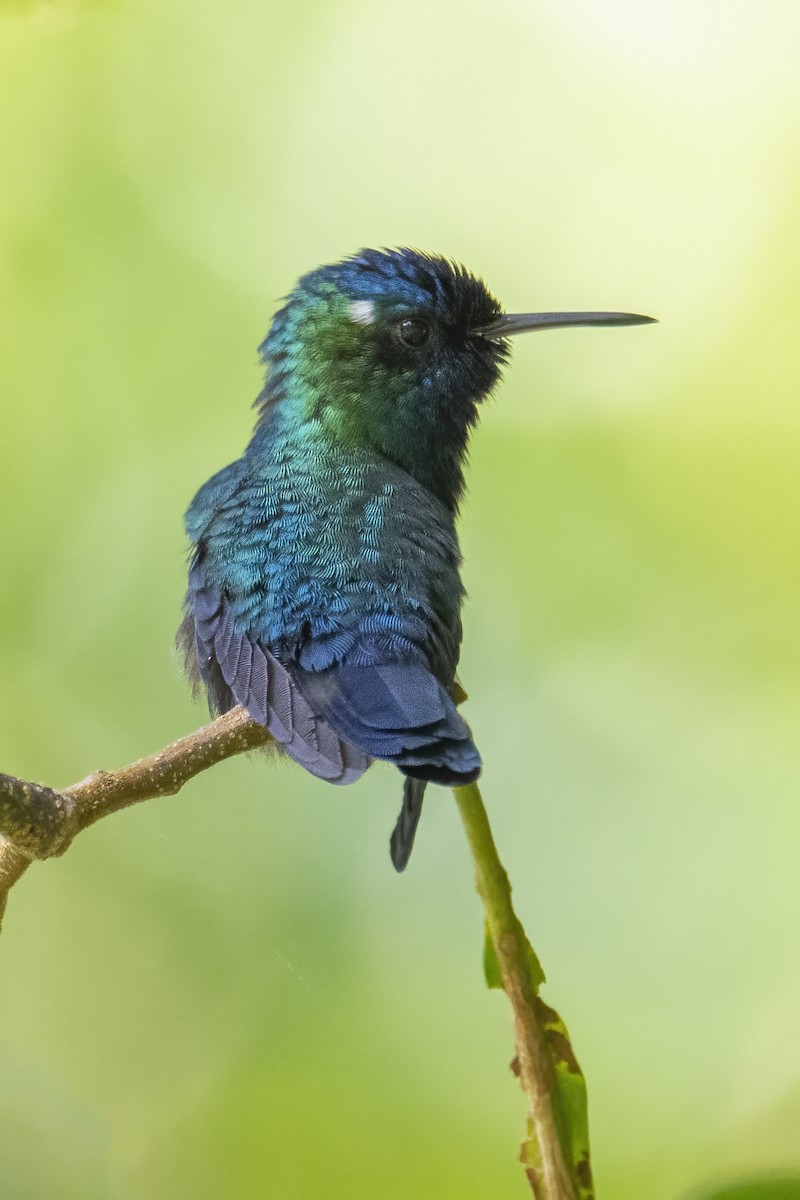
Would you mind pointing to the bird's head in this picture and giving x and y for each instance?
(393, 350)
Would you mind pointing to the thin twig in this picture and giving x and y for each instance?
(38, 822)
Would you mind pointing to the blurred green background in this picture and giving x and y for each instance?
(257, 1006)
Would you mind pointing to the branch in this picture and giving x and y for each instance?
(555, 1154)
(38, 822)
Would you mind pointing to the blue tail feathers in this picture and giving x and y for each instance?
(398, 712)
(401, 842)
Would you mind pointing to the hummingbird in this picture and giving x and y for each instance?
(325, 590)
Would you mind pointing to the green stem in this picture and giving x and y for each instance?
(551, 1175)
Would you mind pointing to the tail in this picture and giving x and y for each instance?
(401, 842)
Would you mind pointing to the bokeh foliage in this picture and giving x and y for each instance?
(230, 993)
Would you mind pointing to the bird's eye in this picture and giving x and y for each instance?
(413, 332)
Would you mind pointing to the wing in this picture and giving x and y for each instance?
(237, 670)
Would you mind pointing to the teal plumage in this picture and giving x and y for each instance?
(324, 587)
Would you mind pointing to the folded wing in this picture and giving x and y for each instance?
(237, 670)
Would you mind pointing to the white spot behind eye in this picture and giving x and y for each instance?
(362, 312)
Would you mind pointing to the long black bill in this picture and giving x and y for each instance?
(511, 323)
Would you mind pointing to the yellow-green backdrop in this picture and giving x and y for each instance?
(196, 1008)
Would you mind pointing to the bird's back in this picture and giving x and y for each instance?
(337, 573)
(328, 554)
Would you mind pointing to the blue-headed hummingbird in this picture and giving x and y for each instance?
(325, 588)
